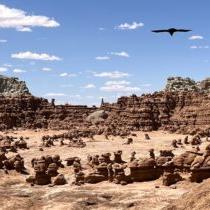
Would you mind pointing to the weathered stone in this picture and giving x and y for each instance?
(12, 87)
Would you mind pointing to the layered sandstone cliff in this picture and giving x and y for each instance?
(27, 111)
(184, 108)
(174, 111)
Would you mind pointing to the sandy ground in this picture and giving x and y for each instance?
(17, 194)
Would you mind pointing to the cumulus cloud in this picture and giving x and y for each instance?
(24, 29)
(194, 47)
(63, 75)
(3, 69)
(119, 88)
(113, 74)
(46, 69)
(55, 94)
(121, 54)
(3, 41)
(21, 21)
(122, 82)
(102, 58)
(129, 26)
(35, 56)
(18, 71)
(7, 65)
(89, 86)
(67, 74)
(196, 37)
(199, 47)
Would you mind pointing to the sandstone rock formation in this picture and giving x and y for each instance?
(198, 198)
(27, 111)
(12, 86)
(179, 84)
(175, 84)
(183, 106)
(174, 111)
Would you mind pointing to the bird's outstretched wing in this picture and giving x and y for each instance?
(159, 31)
(183, 30)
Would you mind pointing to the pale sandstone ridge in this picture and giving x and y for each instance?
(12, 86)
(184, 106)
(198, 198)
(180, 84)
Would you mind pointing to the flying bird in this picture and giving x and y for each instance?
(171, 31)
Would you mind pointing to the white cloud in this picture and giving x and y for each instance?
(121, 54)
(113, 74)
(21, 21)
(101, 58)
(199, 47)
(35, 56)
(101, 29)
(3, 41)
(72, 75)
(194, 47)
(67, 74)
(89, 86)
(46, 69)
(55, 94)
(119, 88)
(7, 65)
(24, 29)
(63, 75)
(132, 26)
(196, 37)
(122, 82)
(19, 71)
(3, 69)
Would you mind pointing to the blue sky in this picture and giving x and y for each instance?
(78, 51)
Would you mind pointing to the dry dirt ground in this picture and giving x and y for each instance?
(15, 193)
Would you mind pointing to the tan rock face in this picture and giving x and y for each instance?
(186, 112)
(27, 111)
(12, 86)
(175, 110)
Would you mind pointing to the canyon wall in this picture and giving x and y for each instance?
(186, 112)
(184, 106)
(32, 112)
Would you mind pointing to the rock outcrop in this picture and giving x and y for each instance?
(12, 87)
(179, 84)
(187, 112)
(31, 112)
(198, 198)
(183, 106)
(174, 111)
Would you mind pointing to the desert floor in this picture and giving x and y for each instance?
(17, 194)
